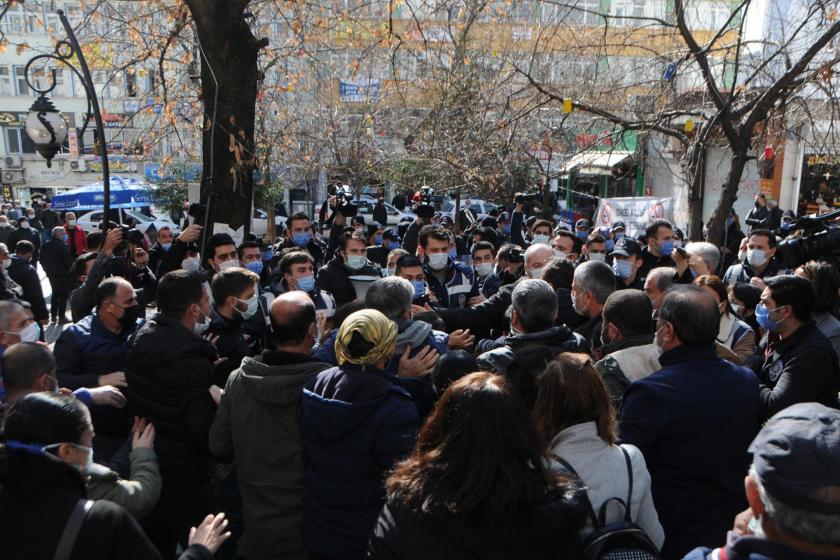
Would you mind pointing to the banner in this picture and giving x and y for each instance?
(635, 212)
(361, 90)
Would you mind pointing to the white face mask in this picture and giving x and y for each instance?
(191, 264)
(535, 272)
(741, 256)
(6, 263)
(24, 225)
(30, 333)
(756, 257)
(560, 255)
(253, 304)
(356, 262)
(484, 269)
(541, 238)
(438, 261)
(71, 223)
(597, 257)
(659, 349)
(232, 263)
(200, 328)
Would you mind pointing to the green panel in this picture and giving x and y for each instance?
(640, 180)
(603, 183)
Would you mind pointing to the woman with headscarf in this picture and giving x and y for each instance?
(355, 425)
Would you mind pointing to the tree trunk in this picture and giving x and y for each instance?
(229, 60)
(695, 178)
(717, 225)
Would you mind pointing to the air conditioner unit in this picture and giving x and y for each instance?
(78, 165)
(132, 168)
(13, 161)
(13, 177)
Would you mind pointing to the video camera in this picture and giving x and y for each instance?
(343, 200)
(812, 239)
(424, 208)
(197, 212)
(129, 235)
(525, 198)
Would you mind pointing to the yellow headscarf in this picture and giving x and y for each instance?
(374, 327)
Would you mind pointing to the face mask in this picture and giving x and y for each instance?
(619, 235)
(736, 309)
(785, 226)
(756, 257)
(166, 246)
(356, 262)
(419, 288)
(438, 261)
(301, 239)
(88, 461)
(253, 304)
(610, 245)
(377, 240)
(255, 266)
(232, 263)
(560, 255)
(535, 272)
(453, 254)
(741, 256)
(389, 271)
(30, 333)
(6, 263)
(191, 264)
(622, 269)
(266, 255)
(659, 349)
(506, 229)
(306, 284)
(392, 245)
(71, 223)
(582, 234)
(24, 225)
(541, 238)
(578, 306)
(30, 216)
(129, 318)
(597, 257)
(64, 238)
(200, 328)
(762, 316)
(666, 247)
(484, 269)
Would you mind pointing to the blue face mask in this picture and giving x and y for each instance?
(392, 245)
(666, 247)
(619, 235)
(166, 246)
(610, 245)
(453, 254)
(256, 267)
(583, 234)
(762, 316)
(65, 238)
(419, 288)
(266, 255)
(377, 240)
(306, 283)
(506, 229)
(622, 269)
(301, 239)
(730, 221)
(785, 226)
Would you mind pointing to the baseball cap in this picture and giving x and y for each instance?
(626, 247)
(504, 217)
(446, 220)
(798, 452)
(392, 234)
(618, 225)
(357, 220)
(582, 223)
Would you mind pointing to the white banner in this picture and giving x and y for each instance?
(635, 212)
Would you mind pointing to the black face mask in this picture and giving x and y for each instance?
(758, 204)
(129, 318)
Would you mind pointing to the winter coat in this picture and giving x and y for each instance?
(5, 232)
(55, 259)
(743, 272)
(139, 494)
(758, 218)
(459, 285)
(545, 531)
(83, 299)
(485, 320)
(651, 261)
(737, 336)
(603, 470)
(697, 475)
(257, 424)
(335, 279)
(625, 361)
(355, 424)
(315, 248)
(169, 371)
(830, 327)
(161, 261)
(25, 234)
(24, 274)
(378, 255)
(36, 503)
(231, 344)
(380, 214)
(801, 368)
(83, 352)
(76, 240)
(560, 339)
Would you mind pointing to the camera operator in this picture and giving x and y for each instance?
(176, 254)
(540, 234)
(142, 279)
(298, 235)
(425, 212)
(83, 298)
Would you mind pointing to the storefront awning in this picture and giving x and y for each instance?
(596, 163)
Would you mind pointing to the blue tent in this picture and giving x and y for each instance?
(125, 193)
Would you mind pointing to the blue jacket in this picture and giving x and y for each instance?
(456, 290)
(693, 421)
(355, 424)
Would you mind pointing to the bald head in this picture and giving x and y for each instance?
(536, 258)
(293, 321)
(28, 367)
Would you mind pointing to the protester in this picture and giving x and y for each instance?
(731, 241)
(221, 253)
(169, 371)
(350, 260)
(760, 261)
(257, 425)
(297, 272)
(757, 218)
(393, 257)
(76, 238)
(657, 283)
(592, 284)
(355, 424)
(299, 235)
(567, 245)
(6, 229)
(453, 283)
(476, 485)
(25, 232)
(235, 300)
(660, 245)
(743, 299)
(559, 273)
(23, 272)
(800, 364)
(483, 257)
(734, 333)
(679, 415)
(627, 260)
(377, 251)
(594, 248)
(576, 422)
(56, 262)
(534, 308)
(83, 298)
(629, 350)
(791, 489)
(823, 278)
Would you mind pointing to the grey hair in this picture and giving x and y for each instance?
(597, 278)
(390, 296)
(663, 277)
(816, 528)
(537, 248)
(706, 251)
(535, 302)
(57, 231)
(7, 309)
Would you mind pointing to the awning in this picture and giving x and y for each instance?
(596, 163)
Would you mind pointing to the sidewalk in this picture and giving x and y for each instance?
(52, 331)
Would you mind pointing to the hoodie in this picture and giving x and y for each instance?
(560, 338)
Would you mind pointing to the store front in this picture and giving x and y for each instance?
(819, 189)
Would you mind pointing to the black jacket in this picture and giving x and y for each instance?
(26, 234)
(380, 214)
(758, 218)
(548, 530)
(378, 254)
(25, 275)
(314, 248)
(36, 499)
(169, 371)
(335, 279)
(560, 339)
(49, 218)
(161, 261)
(231, 344)
(651, 261)
(55, 258)
(801, 368)
(485, 320)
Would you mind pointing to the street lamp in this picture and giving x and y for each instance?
(46, 126)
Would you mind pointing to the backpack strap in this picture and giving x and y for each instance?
(630, 484)
(71, 529)
(591, 510)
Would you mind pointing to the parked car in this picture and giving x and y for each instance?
(366, 205)
(148, 224)
(259, 223)
(481, 207)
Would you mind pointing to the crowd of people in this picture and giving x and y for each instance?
(501, 387)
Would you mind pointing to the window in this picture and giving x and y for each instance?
(585, 12)
(21, 88)
(131, 83)
(5, 81)
(13, 20)
(17, 142)
(710, 15)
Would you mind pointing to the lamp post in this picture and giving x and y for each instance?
(46, 126)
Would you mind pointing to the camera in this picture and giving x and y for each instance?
(129, 235)
(516, 255)
(344, 200)
(424, 208)
(812, 240)
(525, 198)
(198, 212)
